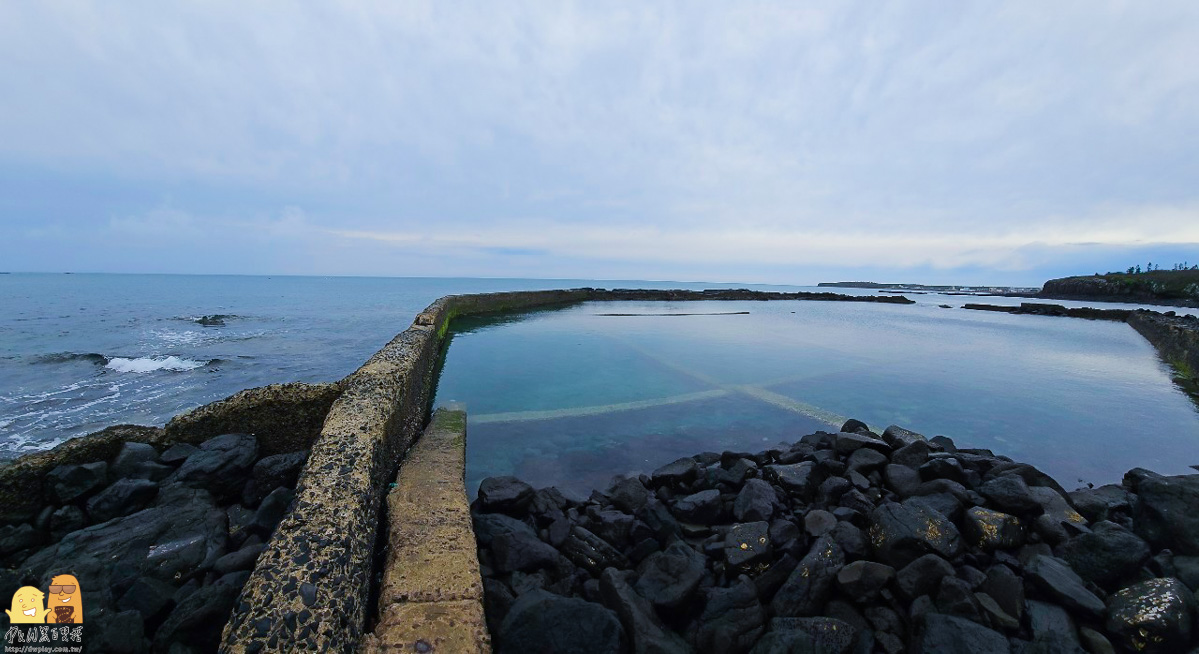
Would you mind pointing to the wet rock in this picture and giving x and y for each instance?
(122, 498)
(901, 479)
(913, 455)
(1152, 616)
(846, 443)
(901, 533)
(591, 552)
(866, 460)
(1106, 554)
(699, 508)
(862, 580)
(796, 478)
(819, 523)
(197, 620)
(668, 578)
(828, 635)
(629, 495)
(272, 472)
(67, 484)
(1167, 515)
(755, 502)
(178, 453)
(943, 468)
(271, 511)
(682, 471)
(505, 495)
(747, 544)
(541, 622)
(946, 634)
(513, 551)
(1102, 503)
(1009, 493)
(645, 632)
(220, 466)
(1055, 578)
(922, 576)
(732, 620)
(242, 559)
(991, 530)
(811, 583)
(131, 454)
(490, 525)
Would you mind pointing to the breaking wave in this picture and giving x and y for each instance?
(152, 364)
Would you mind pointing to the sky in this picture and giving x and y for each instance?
(931, 142)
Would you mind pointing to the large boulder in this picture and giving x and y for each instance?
(668, 578)
(120, 499)
(1167, 515)
(1152, 616)
(198, 619)
(70, 483)
(505, 495)
(811, 583)
(946, 634)
(903, 532)
(1107, 553)
(732, 620)
(1055, 578)
(220, 466)
(543, 623)
(646, 633)
(756, 501)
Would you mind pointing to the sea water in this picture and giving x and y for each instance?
(572, 398)
(575, 396)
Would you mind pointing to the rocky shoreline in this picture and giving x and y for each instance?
(162, 539)
(845, 542)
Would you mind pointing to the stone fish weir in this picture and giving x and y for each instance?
(266, 507)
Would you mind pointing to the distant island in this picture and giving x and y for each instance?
(1178, 287)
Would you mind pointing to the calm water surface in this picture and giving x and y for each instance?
(572, 397)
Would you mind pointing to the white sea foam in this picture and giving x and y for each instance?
(151, 364)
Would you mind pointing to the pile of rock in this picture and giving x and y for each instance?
(161, 542)
(846, 542)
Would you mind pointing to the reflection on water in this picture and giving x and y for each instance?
(571, 397)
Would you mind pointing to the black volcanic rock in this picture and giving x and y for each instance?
(505, 495)
(901, 533)
(811, 583)
(543, 623)
(1152, 616)
(1106, 554)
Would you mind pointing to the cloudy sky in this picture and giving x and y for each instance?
(977, 142)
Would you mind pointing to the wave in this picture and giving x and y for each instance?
(210, 320)
(67, 357)
(152, 364)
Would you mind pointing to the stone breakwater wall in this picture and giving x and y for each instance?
(843, 542)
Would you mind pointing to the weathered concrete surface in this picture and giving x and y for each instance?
(284, 417)
(432, 590)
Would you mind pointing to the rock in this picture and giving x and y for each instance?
(947, 504)
(1006, 588)
(747, 544)
(1050, 622)
(239, 519)
(542, 623)
(629, 495)
(901, 479)
(943, 468)
(755, 502)
(699, 508)
(913, 455)
(898, 437)
(1058, 581)
(1167, 515)
(521, 551)
(955, 597)
(850, 538)
(272, 472)
(122, 633)
(922, 576)
(995, 614)
(591, 552)
(271, 511)
(668, 578)
(197, 620)
(1187, 570)
(856, 426)
(828, 635)
(944, 442)
(149, 597)
(1031, 476)
(901, 533)
(682, 471)
(66, 520)
(1108, 553)
(1102, 503)
(151, 470)
(797, 478)
(811, 583)
(14, 538)
(613, 526)
(862, 580)
(1009, 493)
(1059, 520)
(505, 495)
(1152, 616)
(658, 518)
(220, 466)
(122, 498)
(646, 633)
(790, 641)
(991, 530)
(847, 442)
(178, 453)
(732, 620)
(819, 523)
(131, 454)
(67, 484)
(490, 525)
(946, 634)
(242, 559)
(865, 460)
(1093, 641)
(775, 576)
(832, 489)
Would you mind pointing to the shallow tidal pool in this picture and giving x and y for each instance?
(572, 397)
